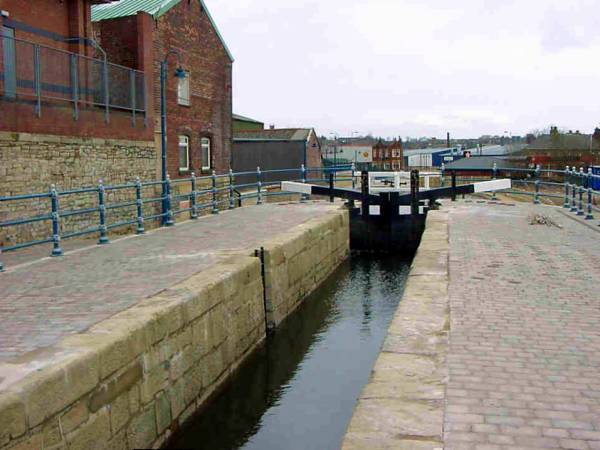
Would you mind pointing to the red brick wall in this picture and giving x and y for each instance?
(186, 28)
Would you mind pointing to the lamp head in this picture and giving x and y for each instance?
(180, 73)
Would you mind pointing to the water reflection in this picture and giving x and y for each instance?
(298, 390)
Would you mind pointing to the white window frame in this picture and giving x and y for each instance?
(183, 98)
(206, 142)
(183, 141)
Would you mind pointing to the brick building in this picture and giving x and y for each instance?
(388, 156)
(199, 115)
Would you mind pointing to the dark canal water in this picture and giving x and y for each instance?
(299, 389)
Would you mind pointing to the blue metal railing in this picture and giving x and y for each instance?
(220, 185)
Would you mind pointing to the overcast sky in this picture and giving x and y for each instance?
(415, 67)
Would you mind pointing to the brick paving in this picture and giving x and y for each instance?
(524, 357)
(44, 300)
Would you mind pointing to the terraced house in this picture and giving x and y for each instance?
(182, 33)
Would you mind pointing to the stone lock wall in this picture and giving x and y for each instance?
(132, 380)
(30, 163)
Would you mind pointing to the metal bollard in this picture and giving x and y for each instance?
(169, 222)
(258, 187)
(573, 190)
(536, 196)
(193, 197)
(494, 172)
(580, 203)
(139, 206)
(231, 190)
(102, 213)
(303, 197)
(56, 250)
(353, 168)
(215, 205)
(566, 182)
(590, 193)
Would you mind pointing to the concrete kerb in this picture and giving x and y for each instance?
(402, 406)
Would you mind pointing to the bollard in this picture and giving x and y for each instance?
(536, 196)
(169, 212)
(231, 190)
(566, 182)
(453, 185)
(580, 203)
(590, 193)
(1, 265)
(353, 167)
(573, 190)
(56, 250)
(494, 171)
(442, 170)
(102, 213)
(258, 187)
(215, 205)
(193, 197)
(331, 183)
(139, 204)
(303, 197)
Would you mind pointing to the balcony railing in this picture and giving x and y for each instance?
(41, 75)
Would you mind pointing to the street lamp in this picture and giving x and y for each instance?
(179, 73)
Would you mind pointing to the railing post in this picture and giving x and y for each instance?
(453, 177)
(566, 182)
(303, 197)
(442, 180)
(353, 168)
(106, 93)
(193, 196)
(589, 215)
(258, 187)
(56, 250)
(536, 196)
(74, 86)
(139, 206)
(132, 95)
(231, 189)
(37, 74)
(494, 173)
(573, 189)
(1, 265)
(102, 213)
(580, 204)
(331, 184)
(168, 198)
(215, 206)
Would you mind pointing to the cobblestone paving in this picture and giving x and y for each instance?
(43, 301)
(524, 358)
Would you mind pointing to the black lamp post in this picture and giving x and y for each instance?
(179, 73)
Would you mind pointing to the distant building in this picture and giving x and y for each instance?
(388, 156)
(241, 123)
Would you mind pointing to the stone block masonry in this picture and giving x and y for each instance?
(30, 163)
(131, 380)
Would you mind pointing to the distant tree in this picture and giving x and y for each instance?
(555, 136)
(596, 137)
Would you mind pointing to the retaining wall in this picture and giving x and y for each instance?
(130, 381)
(402, 406)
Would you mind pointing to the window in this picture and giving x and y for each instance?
(205, 145)
(184, 153)
(183, 90)
(9, 62)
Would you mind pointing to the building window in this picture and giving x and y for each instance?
(205, 145)
(183, 90)
(184, 153)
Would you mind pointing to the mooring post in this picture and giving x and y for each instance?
(56, 250)
(102, 213)
(536, 196)
(193, 193)
(364, 190)
(231, 189)
(331, 196)
(580, 203)
(414, 192)
(453, 180)
(590, 193)
(139, 204)
(566, 183)
(258, 187)
(215, 205)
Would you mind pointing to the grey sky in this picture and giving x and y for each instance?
(415, 67)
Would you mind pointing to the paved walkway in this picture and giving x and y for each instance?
(524, 357)
(45, 300)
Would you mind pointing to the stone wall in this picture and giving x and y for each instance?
(30, 163)
(131, 380)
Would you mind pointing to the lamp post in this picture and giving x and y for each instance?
(179, 73)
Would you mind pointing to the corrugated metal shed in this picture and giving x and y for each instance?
(156, 8)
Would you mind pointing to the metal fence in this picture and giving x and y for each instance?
(577, 190)
(223, 193)
(37, 74)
